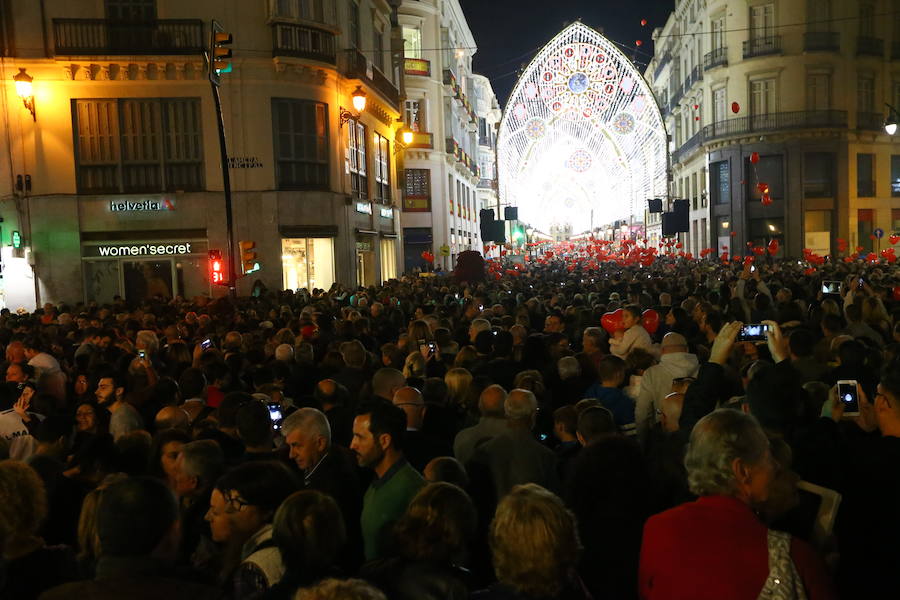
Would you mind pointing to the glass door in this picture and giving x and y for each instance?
(150, 278)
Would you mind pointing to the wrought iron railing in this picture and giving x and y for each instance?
(869, 121)
(359, 68)
(302, 41)
(762, 46)
(688, 147)
(718, 57)
(800, 119)
(106, 37)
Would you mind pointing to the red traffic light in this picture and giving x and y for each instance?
(217, 269)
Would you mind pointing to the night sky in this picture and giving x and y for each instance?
(510, 32)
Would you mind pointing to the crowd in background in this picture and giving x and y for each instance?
(436, 439)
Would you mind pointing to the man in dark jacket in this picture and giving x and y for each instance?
(137, 524)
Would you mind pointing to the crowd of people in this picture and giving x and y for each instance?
(431, 438)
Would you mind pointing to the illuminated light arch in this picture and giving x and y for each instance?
(581, 132)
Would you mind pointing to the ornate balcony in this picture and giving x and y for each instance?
(870, 121)
(302, 41)
(717, 58)
(359, 68)
(98, 37)
(869, 46)
(802, 119)
(762, 46)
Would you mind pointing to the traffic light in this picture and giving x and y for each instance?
(219, 53)
(249, 261)
(217, 268)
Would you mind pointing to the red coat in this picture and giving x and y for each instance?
(717, 548)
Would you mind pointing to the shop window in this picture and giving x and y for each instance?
(417, 190)
(895, 175)
(138, 145)
(818, 175)
(768, 170)
(307, 263)
(865, 177)
(817, 227)
(720, 184)
(356, 143)
(388, 259)
(382, 169)
(300, 131)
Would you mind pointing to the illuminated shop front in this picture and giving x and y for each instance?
(144, 268)
(307, 263)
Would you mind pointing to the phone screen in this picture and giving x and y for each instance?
(432, 347)
(275, 414)
(206, 344)
(831, 287)
(753, 333)
(142, 354)
(848, 394)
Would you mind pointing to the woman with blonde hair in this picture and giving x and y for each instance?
(459, 384)
(414, 366)
(535, 547)
(466, 357)
(30, 565)
(418, 332)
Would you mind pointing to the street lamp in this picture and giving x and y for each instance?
(23, 90)
(359, 103)
(406, 135)
(890, 123)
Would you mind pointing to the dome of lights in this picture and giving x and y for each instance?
(581, 132)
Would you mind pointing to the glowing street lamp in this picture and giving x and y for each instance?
(890, 123)
(358, 98)
(23, 90)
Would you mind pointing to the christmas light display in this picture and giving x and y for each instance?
(581, 132)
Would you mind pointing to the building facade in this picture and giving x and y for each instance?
(115, 186)
(788, 96)
(441, 169)
(487, 109)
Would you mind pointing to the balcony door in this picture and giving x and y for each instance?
(762, 102)
(131, 10)
(762, 22)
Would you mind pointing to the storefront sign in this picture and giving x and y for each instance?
(387, 212)
(363, 247)
(142, 249)
(141, 205)
(244, 162)
(364, 208)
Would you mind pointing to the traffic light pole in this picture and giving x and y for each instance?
(226, 185)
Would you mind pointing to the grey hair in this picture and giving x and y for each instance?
(480, 325)
(520, 404)
(310, 421)
(568, 367)
(716, 441)
(204, 460)
(149, 340)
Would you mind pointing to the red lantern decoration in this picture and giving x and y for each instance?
(643, 22)
(638, 43)
(766, 200)
(735, 107)
(773, 247)
(754, 157)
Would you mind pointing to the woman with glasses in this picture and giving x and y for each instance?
(242, 505)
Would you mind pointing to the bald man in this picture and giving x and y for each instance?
(418, 446)
(172, 417)
(491, 424)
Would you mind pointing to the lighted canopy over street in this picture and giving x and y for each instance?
(581, 132)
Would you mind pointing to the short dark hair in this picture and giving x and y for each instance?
(832, 322)
(594, 422)
(52, 428)
(890, 381)
(609, 367)
(635, 310)
(192, 383)
(134, 515)
(385, 418)
(264, 484)
(568, 416)
(801, 342)
(254, 425)
(226, 413)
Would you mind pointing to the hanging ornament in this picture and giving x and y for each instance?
(754, 157)
(762, 188)
(643, 22)
(696, 106)
(773, 247)
(735, 107)
(894, 238)
(638, 43)
(766, 200)
(696, 118)
(733, 233)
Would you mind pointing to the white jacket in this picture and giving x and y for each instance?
(635, 337)
(657, 382)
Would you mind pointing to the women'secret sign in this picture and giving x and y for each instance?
(144, 249)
